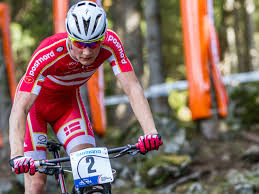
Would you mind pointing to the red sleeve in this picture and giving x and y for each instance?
(37, 70)
(118, 59)
(40, 64)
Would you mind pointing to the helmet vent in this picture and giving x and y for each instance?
(77, 24)
(68, 29)
(80, 4)
(95, 37)
(100, 33)
(86, 25)
(96, 21)
(77, 37)
(104, 28)
(92, 4)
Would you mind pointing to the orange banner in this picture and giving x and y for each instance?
(59, 16)
(96, 96)
(214, 56)
(195, 58)
(5, 28)
(221, 93)
(199, 49)
(8, 57)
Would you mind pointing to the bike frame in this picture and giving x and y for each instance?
(60, 175)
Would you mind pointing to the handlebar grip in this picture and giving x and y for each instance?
(37, 164)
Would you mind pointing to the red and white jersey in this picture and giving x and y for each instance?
(53, 68)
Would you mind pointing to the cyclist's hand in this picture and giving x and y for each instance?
(23, 164)
(149, 142)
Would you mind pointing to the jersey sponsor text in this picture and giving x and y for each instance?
(119, 46)
(40, 60)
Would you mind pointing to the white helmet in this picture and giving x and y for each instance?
(86, 21)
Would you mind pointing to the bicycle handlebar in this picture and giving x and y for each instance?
(121, 150)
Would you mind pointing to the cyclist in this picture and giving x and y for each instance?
(49, 92)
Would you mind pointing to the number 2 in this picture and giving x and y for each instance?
(91, 160)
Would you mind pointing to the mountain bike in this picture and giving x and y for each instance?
(90, 167)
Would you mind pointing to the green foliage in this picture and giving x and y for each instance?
(217, 13)
(147, 165)
(244, 107)
(37, 17)
(256, 15)
(119, 137)
(172, 45)
(160, 161)
(178, 102)
(31, 22)
(142, 191)
(22, 42)
(109, 79)
(177, 99)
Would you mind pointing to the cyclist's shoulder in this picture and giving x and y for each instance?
(53, 41)
(111, 32)
(54, 45)
(112, 40)
(49, 50)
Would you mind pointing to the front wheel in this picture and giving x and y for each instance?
(96, 189)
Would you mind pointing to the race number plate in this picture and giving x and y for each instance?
(91, 166)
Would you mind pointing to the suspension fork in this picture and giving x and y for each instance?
(60, 175)
(107, 188)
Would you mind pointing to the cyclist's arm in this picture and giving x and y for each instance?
(17, 121)
(138, 101)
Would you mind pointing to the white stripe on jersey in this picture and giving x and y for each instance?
(111, 59)
(116, 69)
(36, 89)
(74, 76)
(72, 83)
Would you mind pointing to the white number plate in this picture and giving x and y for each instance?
(91, 166)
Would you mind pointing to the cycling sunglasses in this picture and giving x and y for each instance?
(82, 45)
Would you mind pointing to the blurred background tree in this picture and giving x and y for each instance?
(31, 22)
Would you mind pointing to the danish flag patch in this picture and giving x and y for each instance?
(72, 128)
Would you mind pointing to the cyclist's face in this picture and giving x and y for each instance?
(85, 56)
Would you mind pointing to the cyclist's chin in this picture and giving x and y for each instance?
(86, 61)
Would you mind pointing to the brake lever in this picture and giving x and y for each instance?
(126, 151)
(47, 171)
(133, 153)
